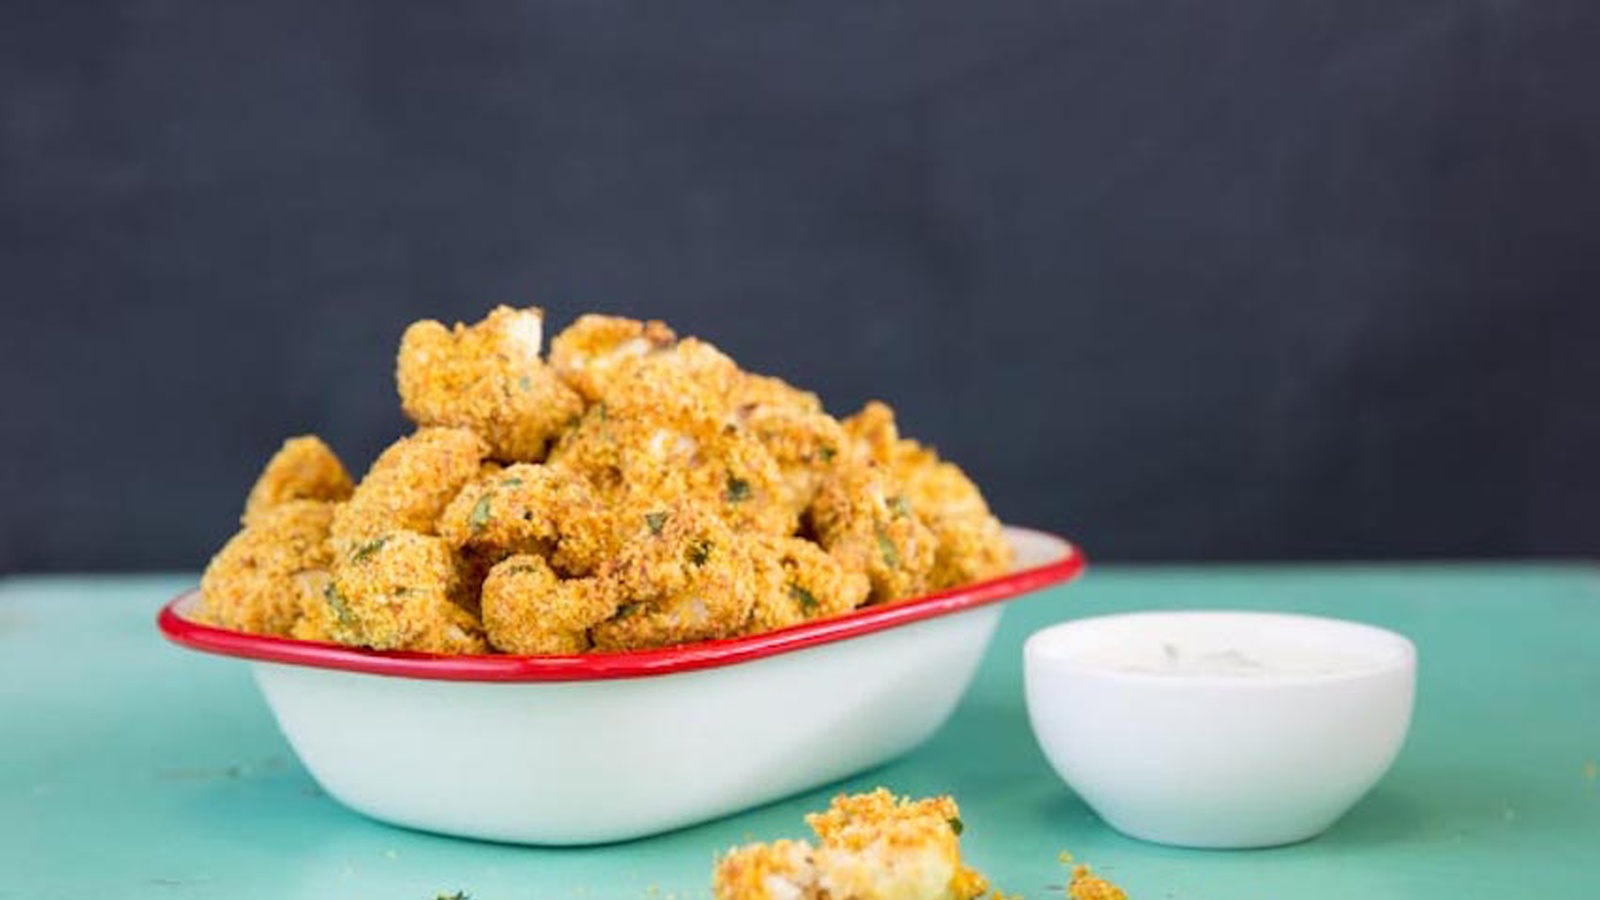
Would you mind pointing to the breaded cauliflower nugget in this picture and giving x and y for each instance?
(790, 423)
(409, 485)
(814, 585)
(250, 584)
(588, 351)
(402, 591)
(683, 576)
(487, 377)
(871, 847)
(663, 434)
(528, 609)
(868, 528)
(531, 509)
(304, 468)
(971, 543)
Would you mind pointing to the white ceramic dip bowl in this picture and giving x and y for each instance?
(1219, 729)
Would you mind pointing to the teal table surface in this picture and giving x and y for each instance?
(130, 768)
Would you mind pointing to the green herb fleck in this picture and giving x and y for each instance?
(891, 556)
(513, 481)
(807, 601)
(897, 505)
(738, 490)
(956, 826)
(341, 608)
(369, 548)
(700, 552)
(525, 384)
(655, 520)
(627, 609)
(479, 519)
(458, 895)
(828, 453)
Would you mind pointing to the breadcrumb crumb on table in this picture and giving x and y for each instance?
(1085, 885)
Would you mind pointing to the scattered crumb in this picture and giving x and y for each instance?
(1064, 857)
(1085, 885)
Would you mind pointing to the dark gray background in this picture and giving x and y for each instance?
(1185, 280)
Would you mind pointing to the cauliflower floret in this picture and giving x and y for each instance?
(871, 847)
(487, 377)
(781, 870)
(304, 468)
(587, 353)
(683, 576)
(971, 543)
(802, 439)
(532, 509)
(527, 608)
(663, 434)
(814, 585)
(250, 584)
(861, 523)
(409, 485)
(402, 591)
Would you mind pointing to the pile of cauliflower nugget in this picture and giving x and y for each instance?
(635, 490)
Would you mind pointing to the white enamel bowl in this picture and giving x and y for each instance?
(1219, 729)
(607, 747)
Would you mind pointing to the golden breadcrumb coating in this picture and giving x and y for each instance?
(588, 351)
(304, 468)
(858, 520)
(409, 485)
(315, 621)
(814, 585)
(971, 543)
(1086, 885)
(683, 576)
(871, 846)
(528, 609)
(487, 377)
(663, 433)
(532, 509)
(401, 591)
(781, 870)
(803, 440)
(638, 490)
(249, 585)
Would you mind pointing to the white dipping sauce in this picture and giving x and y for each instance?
(1192, 655)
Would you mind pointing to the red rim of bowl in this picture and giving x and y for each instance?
(1064, 566)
